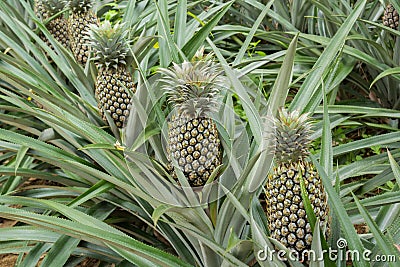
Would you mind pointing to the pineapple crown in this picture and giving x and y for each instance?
(200, 55)
(80, 6)
(109, 44)
(292, 136)
(54, 6)
(192, 87)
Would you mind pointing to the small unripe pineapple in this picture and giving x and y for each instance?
(391, 17)
(285, 210)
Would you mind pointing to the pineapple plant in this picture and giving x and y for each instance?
(78, 27)
(391, 17)
(285, 210)
(114, 82)
(57, 26)
(193, 140)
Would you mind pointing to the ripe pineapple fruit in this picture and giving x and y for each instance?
(193, 139)
(111, 50)
(391, 17)
(57, 26)
(284, 206)
(78, 26)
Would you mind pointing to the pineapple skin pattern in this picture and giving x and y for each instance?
(111, 94)
(40, 10)
(79, 22)
(391, 17)
(285, 209)
(195, 145)
(58, 27)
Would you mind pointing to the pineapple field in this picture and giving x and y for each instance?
(199, 133)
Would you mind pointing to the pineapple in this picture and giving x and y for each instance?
(111, 50)
(57, 26)
(284, 206)
(40, 11)
(78, 26)
(391, 17)
(193, 140)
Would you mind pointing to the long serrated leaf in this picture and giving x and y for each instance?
(307, 204)
(190, 48)
(92, 234)
(34, 256)
(250, 36)
(135, 259)
(378, 200)
(310, 88)
(316, 247)
(326, 155)
(97, 189)
(168, 49)
(395, 167)
(130, 12)
(385, 73)
(60, 251)
(35, 144)
(148, 132)
(385, 244)
(180, 23)
(159, 211)
(27, 233)
(281, 86)
(98, 146)
(20, 156)
(211, 244)
(383, 139)
(233, 240)
(252, 114)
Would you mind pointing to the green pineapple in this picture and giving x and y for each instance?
(391, 17)
(78, 26)
(111, 50)
(57, 26)
(193, 139)
(284, 206)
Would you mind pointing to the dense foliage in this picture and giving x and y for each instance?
(78, 185)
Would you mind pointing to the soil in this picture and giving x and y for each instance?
(361, 228)
(8, 260)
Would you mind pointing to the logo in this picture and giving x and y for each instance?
(341, 253)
